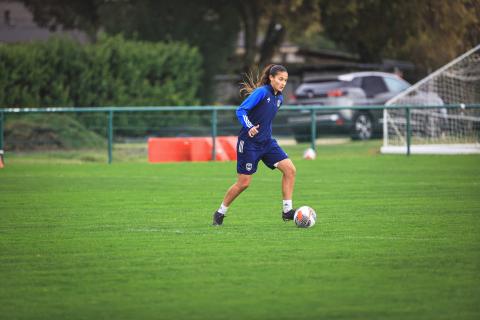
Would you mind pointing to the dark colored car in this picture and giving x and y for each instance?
(358, 88)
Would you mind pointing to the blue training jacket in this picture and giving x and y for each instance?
(260, 107)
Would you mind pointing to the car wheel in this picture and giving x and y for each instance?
(362, 128)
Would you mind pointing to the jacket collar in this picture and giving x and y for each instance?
(269, 86)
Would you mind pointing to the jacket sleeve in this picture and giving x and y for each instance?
(248, 104)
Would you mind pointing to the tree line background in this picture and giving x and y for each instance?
(428, 33)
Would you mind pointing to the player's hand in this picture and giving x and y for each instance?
(253, 131)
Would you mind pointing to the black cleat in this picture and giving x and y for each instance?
(286, 216)
(218, 219)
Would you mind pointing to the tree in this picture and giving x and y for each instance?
(212, 26)
(427, 32)
(267, 23)
(442, 31)
(72, 14)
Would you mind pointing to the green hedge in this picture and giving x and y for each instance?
(33, 132)
(113, 71)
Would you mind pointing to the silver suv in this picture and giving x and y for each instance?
(358, 88)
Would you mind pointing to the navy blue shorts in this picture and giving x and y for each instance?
(249, 153)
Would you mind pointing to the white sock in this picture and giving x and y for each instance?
(287, 205)
(223, 209)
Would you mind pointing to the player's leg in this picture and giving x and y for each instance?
(243, 181)
(275, 157)
(247, 162)
(238, 187)
(288, 182)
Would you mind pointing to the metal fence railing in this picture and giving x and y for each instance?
(314, 112)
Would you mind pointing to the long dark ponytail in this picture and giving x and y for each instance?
(252, 81)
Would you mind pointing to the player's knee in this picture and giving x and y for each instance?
(290, 171)
(243, 184)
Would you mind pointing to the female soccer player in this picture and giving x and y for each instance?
(255, 141)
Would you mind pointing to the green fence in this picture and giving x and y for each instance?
(312, 110)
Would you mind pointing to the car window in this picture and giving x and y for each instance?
(318, 87)
(395, 85)
(357, 82)
(373, 85)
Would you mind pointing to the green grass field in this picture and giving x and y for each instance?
(396, 238)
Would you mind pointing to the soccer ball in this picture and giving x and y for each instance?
(309, 154)
(305, 217)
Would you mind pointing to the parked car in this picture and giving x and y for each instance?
(351, 89)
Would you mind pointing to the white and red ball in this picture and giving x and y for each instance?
(309, 154)
(305, 217)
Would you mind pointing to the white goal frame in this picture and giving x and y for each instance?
(401, 124)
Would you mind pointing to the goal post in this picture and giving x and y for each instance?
(443, 115)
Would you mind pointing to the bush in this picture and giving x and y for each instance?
(48, 132)
(114, 71)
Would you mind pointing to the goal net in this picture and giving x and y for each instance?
(451, 123)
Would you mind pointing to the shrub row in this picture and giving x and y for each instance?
(113, 71)
(34, 132)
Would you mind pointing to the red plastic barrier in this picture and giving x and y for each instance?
(229, 145)
(168, 149)
(200, 149)
(191, 149)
